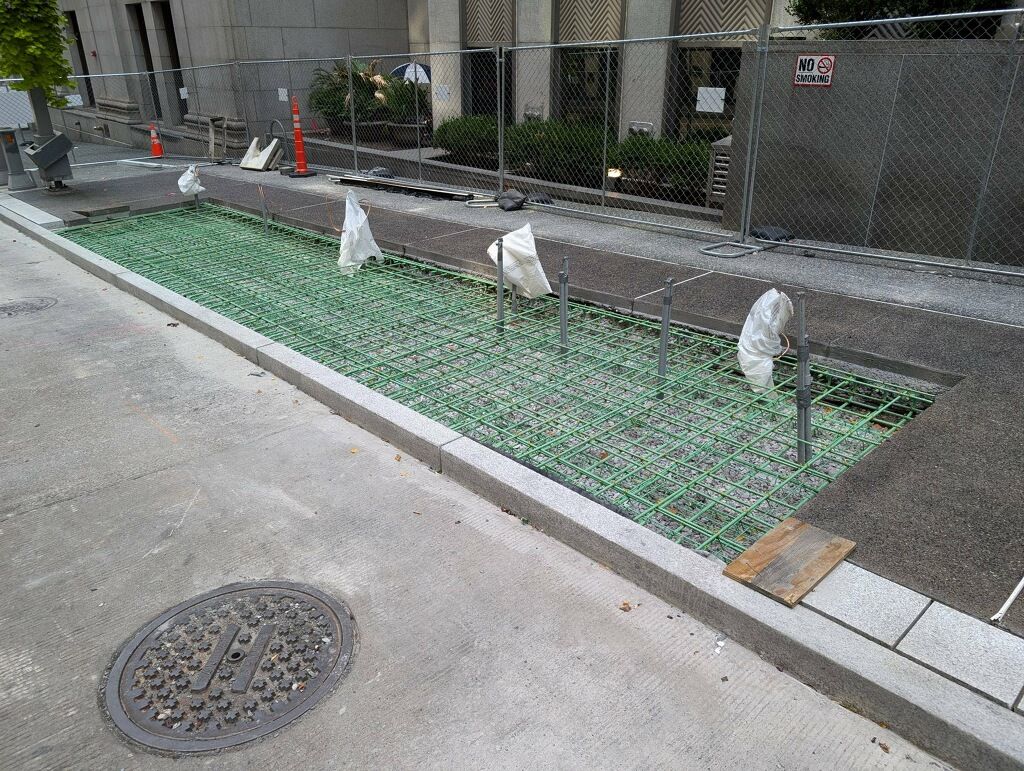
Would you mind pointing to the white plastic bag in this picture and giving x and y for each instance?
(188, 183)
(357, 244)
(520, 262)
(759, 341)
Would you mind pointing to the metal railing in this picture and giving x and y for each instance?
(901, 142)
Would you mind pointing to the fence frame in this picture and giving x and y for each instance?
(739, 240)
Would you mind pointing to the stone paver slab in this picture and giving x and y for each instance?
(978, 655)
(864, 601)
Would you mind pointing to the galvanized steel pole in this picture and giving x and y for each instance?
(563, 306)
(803, 383)
(501, 286)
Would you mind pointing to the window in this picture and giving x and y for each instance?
(583, 76)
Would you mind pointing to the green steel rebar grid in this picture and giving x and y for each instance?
(696, 456)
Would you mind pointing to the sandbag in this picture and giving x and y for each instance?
(521, 264)
(188, 183)
(357, 244)
(510, 200)
(760, 340)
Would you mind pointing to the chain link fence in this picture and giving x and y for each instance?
(902, 138)
(897, 138)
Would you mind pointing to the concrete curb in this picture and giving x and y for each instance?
(930, 710)
(407, 429)
(941, 716)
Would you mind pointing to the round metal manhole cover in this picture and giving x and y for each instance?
(229, 666)
(26, 305)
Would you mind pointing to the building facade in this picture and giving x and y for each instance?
(114, 36)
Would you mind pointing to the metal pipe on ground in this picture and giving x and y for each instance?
(666, 321)
(501, 286)
(804, 448)
(563, 306)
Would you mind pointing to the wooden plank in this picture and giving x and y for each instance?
(789, 561)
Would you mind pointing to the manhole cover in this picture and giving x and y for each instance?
(26, 305)
(229, 666)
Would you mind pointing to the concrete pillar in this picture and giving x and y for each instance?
(417, 12)
(534, 25)
(444, 18)
(644, 66)
(159, 46)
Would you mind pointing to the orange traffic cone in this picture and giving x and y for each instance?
(156, 150)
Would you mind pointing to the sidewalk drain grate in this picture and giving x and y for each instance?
(26, 306)
(229, 666)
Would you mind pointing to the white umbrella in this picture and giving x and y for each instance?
(416, 73)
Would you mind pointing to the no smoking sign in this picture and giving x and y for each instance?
(814, 70)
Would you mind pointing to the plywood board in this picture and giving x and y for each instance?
(789, 561)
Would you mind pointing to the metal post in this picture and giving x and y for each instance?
(803, 383)
(419, 130)
(563, 306)
(352, 115)
(501, 286)
(238, 83)
(607, 109)
(197, 203)
(666, 320)
(41, 113)
(754, 129)
(263, 208)
(515, 299)
(1009, 83)
(499, 52)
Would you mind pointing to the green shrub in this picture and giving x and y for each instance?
(557, 149)
(572, 151)
(328, 91)
(682, 164)
(400, 100)
(468, 135)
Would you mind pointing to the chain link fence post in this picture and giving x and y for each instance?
(241, 92)
(352, 114)
(419, 121)
(754, 133)
(607, 109)
(499, 52)
(1012, 70)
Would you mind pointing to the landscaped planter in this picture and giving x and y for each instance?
(648, 187)
(372, 131)
(407, 134)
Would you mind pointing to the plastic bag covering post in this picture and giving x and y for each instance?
(759, 341)
(188, 183)
(357, 244)
(522, 267)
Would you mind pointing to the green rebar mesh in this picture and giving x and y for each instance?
(697, 456)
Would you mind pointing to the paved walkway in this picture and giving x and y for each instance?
(143, 464)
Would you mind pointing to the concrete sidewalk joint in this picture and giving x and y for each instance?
(901, 686)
